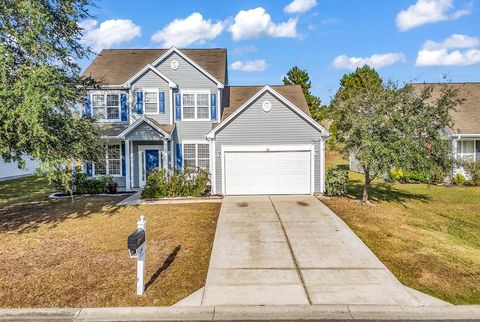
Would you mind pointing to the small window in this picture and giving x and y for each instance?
(196, 155)
(112, 163)
(106, 106)
(151, 102)
(196, 106)
(113, 107)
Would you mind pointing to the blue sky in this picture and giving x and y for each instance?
(406, 40)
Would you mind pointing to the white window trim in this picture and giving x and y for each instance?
(105, 93)
(196, 92)
(196, 152)
(150, 90)
(106, 164)
(462, 155)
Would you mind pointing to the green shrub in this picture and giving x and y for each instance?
(395, 175)
(186, 183)
(92, 185)
(458, 179)
(472, 170)
(416, 177)
(336, 182)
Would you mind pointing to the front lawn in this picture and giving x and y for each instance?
(64, 254)
(428, 236)
(25, 189)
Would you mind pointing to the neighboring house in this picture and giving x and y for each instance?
(10, 170)
(172, 108)
(465, 133)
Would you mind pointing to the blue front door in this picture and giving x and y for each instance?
(152, 160)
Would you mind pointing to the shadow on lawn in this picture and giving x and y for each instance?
(29, 216)
(383, 191)
(166, 264)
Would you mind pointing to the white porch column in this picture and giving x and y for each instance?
(454, 155)
(165, 155)
(128, 185)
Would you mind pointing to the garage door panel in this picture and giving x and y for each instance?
(286, 172)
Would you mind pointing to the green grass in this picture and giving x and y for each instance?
(427, 235)
(24, 190)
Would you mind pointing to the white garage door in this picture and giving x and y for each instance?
(260, 172)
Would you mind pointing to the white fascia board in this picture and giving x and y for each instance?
(466, 135)
(201, 69)
(266, 88)
(140, 121)
(153, 69)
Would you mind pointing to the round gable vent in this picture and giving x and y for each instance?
(267, 106)
(174, 64)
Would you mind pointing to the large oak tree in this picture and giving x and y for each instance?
(40, 82)
(387, 126)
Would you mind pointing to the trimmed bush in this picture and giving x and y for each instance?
(92, 185)
(458, 179)
(472, 170)
(186, 183)
(336, 182)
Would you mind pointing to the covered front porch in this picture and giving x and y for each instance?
(146, 146)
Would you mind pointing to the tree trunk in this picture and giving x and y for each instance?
(366, 185)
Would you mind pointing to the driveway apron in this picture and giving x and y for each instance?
(284, 250)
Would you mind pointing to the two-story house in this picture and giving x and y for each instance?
(172, 108)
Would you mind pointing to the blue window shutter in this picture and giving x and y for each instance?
(124, 165)
(213, 107)
(88, 106)
(178, 109)
(140, 102)
(161, 100)
(123, 107)
(89, 169)
(179, 156)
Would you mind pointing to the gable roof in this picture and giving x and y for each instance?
(236, 96)
(116, 66)
(118, 130)
(243, 101)
(466, 117)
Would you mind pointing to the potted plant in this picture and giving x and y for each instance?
(112, 187)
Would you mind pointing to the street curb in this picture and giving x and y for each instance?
(219, 313)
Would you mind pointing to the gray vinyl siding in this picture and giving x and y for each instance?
(280, 126)
(186, 76)
(144, 132)
(136, 167)
(152, 80)
(121, 181)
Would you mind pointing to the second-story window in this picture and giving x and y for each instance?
(151, 102)
(196, 106)
(106, 106)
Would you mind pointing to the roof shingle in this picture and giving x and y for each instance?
(116, 66)
(466, 117)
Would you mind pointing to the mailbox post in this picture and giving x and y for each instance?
(137, 244)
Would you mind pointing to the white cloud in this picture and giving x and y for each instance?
(300, 6)
(258, 65)
(454, 41)
(191, 30)
(375, 61)
(439, 54)
(254, 23)
(443, 57)
(109, 33)
(429, 11)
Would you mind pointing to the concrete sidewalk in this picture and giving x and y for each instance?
(293, 250)
(245, 313)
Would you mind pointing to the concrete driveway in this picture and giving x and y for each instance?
(279, 250)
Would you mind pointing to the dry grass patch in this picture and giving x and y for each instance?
(428, 236)
(64, 254)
